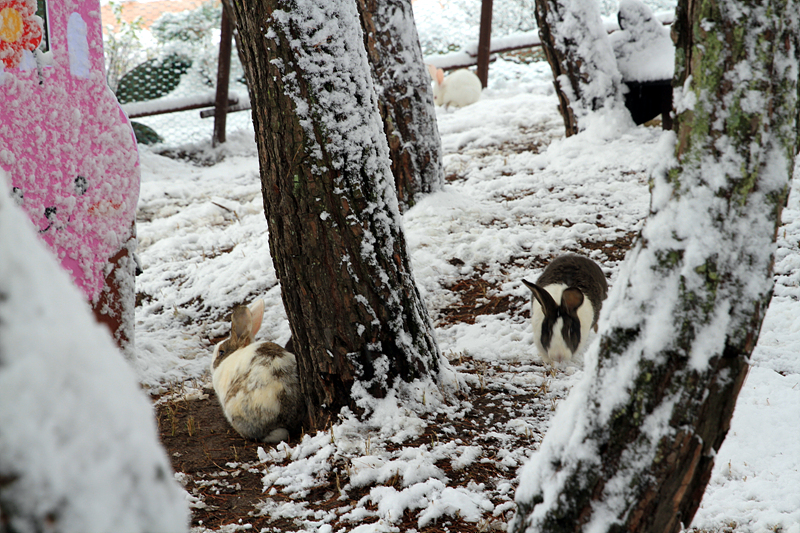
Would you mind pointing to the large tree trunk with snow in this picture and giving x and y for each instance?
(405, 98)
(633, 446)
(334, 226)
(586, 77)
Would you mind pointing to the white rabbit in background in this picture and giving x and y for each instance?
(568, 297)
(460, 88)
(256, 383)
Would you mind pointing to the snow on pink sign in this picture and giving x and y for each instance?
(68, 147)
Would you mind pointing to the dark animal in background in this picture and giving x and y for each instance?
(646, 100)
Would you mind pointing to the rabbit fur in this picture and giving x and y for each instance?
(566, 304)
(460, 88)
(256, 383)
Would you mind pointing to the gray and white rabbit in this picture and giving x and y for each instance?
(256, 382)
(567, 300)
(460, 88)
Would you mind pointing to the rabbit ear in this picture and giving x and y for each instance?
(571, 299)
(241, 322)
(549, 306)
(257, 311)
(432, 71)
(439, 76)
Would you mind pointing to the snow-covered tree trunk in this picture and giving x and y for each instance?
(334, 225)
(633, 446)
(405, 98)
(586, 77)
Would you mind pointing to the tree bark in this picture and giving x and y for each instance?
(405, 98)
(586, 77)
(358, 324)
(636, 439)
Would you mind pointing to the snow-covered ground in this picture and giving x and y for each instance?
(518, 194)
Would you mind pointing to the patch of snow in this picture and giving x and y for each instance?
(78, 45)
(643, 48)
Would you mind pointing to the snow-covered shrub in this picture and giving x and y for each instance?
(79, 448)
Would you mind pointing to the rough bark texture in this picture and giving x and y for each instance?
(405, 98)
(586, 77)
(644, 425)
(355, 313)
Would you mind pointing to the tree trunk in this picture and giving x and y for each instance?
(633, 447)
(586, 77)
(405, 98)
(356, 316)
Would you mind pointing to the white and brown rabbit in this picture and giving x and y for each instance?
(460, 88)
(256, 382)
(567, 301)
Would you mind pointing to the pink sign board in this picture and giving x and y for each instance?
(64, 140)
